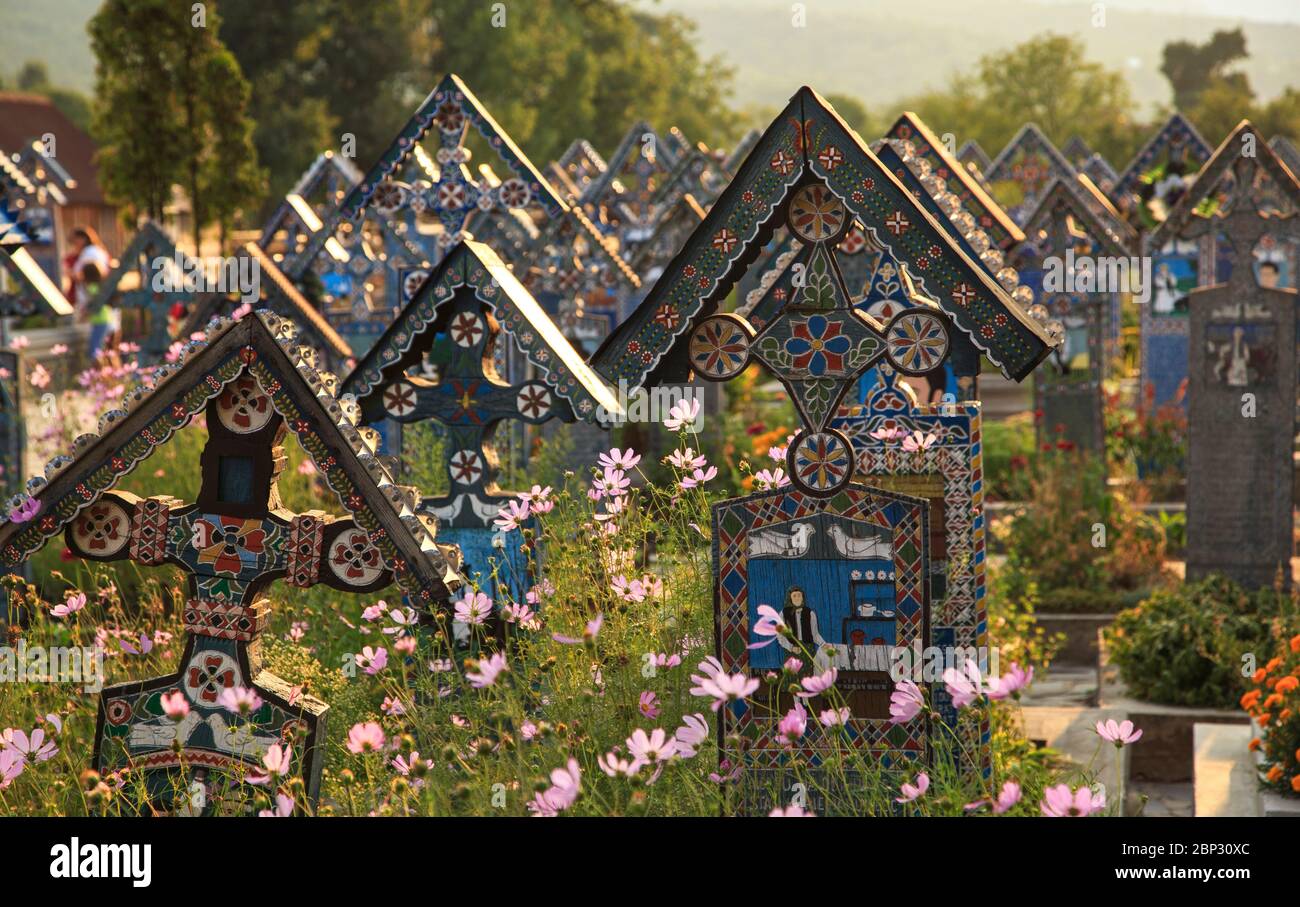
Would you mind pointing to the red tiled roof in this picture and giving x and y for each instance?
(26, 117)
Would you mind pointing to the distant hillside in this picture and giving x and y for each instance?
(878, 51)
(49, 30)
(882, 51)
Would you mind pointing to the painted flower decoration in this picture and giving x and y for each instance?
(228, 543)
(817, 345)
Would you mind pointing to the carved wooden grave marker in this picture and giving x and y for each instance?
(468, 306)
(1064, 258)
(150, 263)
(847, 563)
(231, 543)
(1024, 170)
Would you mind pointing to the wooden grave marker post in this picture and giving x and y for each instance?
(232, 542)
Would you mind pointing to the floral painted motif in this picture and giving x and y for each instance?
(817, 345)
(228, 544)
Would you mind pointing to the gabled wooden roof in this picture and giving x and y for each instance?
(809, 141)
(450, 90)
(150, 242)
(31, 289)
(265, 346)
(630, 145)
(992, 218)
(1215, 170)
(1094, 215)
(475, 266)
(1176, 129)
(281, 296)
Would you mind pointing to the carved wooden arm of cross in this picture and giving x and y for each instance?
(230, 544)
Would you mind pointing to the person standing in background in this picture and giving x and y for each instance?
(105, 321)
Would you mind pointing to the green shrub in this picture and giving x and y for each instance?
(1186, 646)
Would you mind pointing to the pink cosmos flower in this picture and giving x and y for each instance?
(693, 732)
(778, 452)
(724, 688)
(793, 665)
(392, 706)
(404, 621)
(698, 477)
(365, 738)
(34, 748)
(686, 459)
(11, 766)
(818, 683)
(887, 434)
(404, 765)
(648, 704)
(1060, 801)
(283, 808)
(664, 660)
(306, 468)
(615, 765)
(1119, 733)
(767, 479)
(1010, 683)
(964, 685)
(566, 784)
(682, 415)
(917, 441)
(1008, 798)
(588, 634)
(239, 700)
(146, 645)
(71, 605)
(792, 724)
(535, 495)
(652, 748)
(174, 704)
(372, 660)
(905, 703)
(277, 761)
(832, 717)
(474, 608)
(726, 772)
(510, 516)
(912, 791)
(58, 349)
(489, 669)
(19, 343)
(515, 613)
(769, 624)
(619, 459)
(793, 811)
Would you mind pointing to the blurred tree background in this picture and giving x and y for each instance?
(277, 83)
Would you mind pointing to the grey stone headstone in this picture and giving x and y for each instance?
(1240, 474)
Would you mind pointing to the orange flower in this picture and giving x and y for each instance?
(1250, 700)
(1288, 684)
(1263, 718)
(1274, 773)
(1253, 745)
(1273, 665)
(1272, 701)
(1284, 715)
(1295, 643)
(1260, 675)
(1271, 683)
(1295, 783)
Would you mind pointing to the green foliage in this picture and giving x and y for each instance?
(1192, 68)
(1187, 646)
(170, 108)
(1008, 445)
(1046, 80)
(1069, 531)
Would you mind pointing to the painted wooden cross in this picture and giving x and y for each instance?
(1025, 169)
(461, 316)
(231, 544)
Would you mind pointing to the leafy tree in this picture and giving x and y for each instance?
(34, 77)
(1046, 80)
(1193, 68)
(170, 108)
(854, 112)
